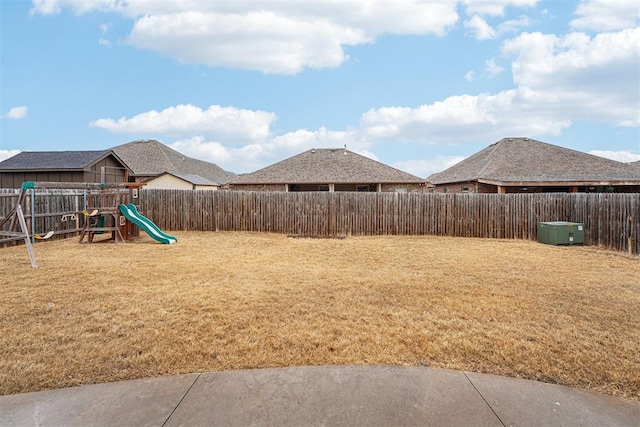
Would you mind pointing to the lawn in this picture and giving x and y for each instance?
(94, 313)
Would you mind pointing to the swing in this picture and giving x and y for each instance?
(44, 237)
(50, 233)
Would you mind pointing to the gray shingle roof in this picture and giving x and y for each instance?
(151, 158)
(327, 165)
(193, 179)
(528, 160)
(52, 160)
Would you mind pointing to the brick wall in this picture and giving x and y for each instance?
(410, 188)
(258, 187)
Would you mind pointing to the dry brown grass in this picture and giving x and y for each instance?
(218, 301)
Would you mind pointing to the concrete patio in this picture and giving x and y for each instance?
(320, 396)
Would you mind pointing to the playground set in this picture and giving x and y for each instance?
(69, 208)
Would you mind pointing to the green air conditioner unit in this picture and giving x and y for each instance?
(561, 233)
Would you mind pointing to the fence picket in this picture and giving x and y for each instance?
(611, 220)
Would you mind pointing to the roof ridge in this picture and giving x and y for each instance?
(490, 156)
(327, 165)
(161, 148)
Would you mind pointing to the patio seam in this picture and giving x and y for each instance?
(181, 399)
(485, 400)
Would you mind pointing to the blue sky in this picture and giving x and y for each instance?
(418, 85)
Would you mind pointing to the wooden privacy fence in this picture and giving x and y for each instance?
(50, 210)
(611, 220)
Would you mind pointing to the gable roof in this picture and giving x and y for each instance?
(327, 165)
(190, 178)
(53, 160)
(151, 158)
(528, 160)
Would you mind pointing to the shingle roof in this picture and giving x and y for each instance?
(528, 160)
(151, 158)
(193, 179)
(327, 165)
(52, 160)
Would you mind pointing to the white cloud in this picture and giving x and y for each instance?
(17, 113)
(558, 80)
(5, 154)
(239, 140)
(425, 167)
(468, 76)
(620, 156)
(199, 148)
(606, 15)
(513, 25)
(225, 123)
(256, 155)
(321, 138)
(271, 36)
(581, 76)
(512, 112)
(480, 29)
(494, 7)
(256, 41)
(104, 29)
(48, 7)
(492, 68)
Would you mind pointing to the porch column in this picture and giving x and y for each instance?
(332, 188)
(502, 190)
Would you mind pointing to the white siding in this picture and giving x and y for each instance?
(206, 187)
(168, 182)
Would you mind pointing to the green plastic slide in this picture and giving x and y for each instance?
(131, 213)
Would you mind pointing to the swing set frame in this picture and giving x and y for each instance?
(100, 199)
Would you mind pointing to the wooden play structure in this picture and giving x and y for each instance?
(44, 210)
(15, 218)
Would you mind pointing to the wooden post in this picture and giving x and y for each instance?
(27, 239)
(630, 239)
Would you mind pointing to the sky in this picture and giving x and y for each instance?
(416, 84)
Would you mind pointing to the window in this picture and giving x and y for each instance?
(362, 188)
(323, 187)
(465, 189)
(401, 190)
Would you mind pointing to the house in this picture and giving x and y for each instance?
(149, 158)
(329, 169)
(62, 166)
(180, 181)
(522, 165)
